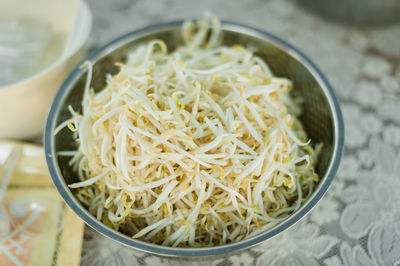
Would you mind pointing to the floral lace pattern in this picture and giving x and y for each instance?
(358, 221)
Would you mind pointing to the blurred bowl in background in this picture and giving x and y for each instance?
(356, 12)
(25, 100)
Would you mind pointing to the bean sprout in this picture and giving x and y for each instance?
(194, 147)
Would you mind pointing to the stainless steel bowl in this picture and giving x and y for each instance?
(321, 118)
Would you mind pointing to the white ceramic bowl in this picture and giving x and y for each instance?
(24, 104)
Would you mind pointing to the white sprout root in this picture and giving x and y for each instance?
(196, 147)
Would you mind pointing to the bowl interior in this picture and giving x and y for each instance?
(317, 117)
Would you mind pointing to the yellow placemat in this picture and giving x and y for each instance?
(36, 227)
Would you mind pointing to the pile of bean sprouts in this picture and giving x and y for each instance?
(191, 148)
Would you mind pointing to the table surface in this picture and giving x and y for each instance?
(358, 221)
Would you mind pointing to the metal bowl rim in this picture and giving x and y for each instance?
(206, 251)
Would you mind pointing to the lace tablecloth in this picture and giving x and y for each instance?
(358, 221)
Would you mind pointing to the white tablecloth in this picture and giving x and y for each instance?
(358, 221)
